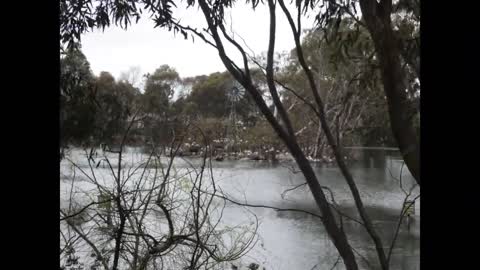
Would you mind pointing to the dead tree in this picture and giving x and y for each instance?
(159, 215)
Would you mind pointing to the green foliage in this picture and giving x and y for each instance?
(156, 103)
(159, 89)
(341, 55)
(210, 97)
(77, 17)
(93, 109)
(77, 110)
(117, 105)
(260, 136)
(349, 84)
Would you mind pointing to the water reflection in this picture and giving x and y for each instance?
(293, 240)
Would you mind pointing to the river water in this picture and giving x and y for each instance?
(292, 240)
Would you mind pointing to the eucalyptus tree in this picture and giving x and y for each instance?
(376, 17)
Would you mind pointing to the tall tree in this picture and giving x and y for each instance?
(117, 103)
(217, 36)
(156, 101)
(394, 57)
(77, 109)
(377, 17)
(159, 90)
(210, 95)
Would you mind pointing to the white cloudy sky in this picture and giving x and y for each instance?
(115, 50)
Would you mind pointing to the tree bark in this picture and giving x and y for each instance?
(334, 231)
(318, 150)
(379, 24)
(337, 149)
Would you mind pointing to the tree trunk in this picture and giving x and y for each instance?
(318, 151)
(378, 21)
(286, 135)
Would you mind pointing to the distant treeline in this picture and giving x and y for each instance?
(100, 109)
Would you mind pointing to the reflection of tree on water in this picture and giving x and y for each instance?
(371, 157)
(376, 159)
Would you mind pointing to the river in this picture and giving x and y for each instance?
(292, 240)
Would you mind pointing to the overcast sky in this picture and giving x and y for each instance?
(115, 50)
